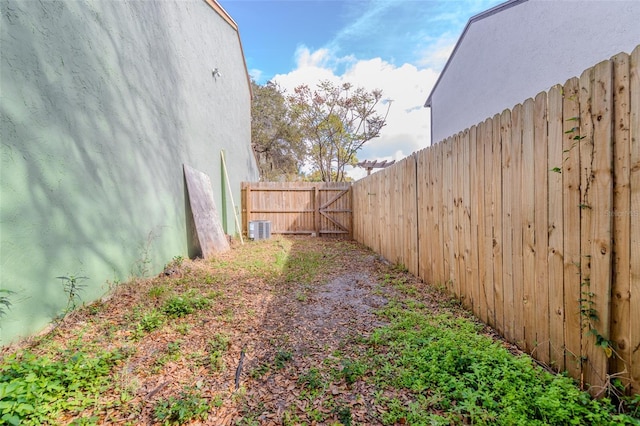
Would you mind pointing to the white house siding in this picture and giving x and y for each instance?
(101, 104)
(522, 48)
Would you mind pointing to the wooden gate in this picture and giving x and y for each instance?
(313, 208)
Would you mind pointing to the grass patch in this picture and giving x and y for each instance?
(457, 375)
(303, 267)
(36, 389)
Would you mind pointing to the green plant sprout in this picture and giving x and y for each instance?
(5, 303)
(72, 285)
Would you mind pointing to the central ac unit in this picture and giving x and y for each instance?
(259, 229)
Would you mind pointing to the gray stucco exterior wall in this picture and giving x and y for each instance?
(101, 104)
(508, 56)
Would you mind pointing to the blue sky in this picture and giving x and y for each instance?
(399, 46)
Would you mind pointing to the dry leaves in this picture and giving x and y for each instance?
(290, 323)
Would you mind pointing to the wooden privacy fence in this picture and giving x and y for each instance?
(319, 208)
(532, 218)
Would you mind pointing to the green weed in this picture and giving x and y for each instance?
(179, 306)
(217, 347)
(149, 322)
(282, 358)
(36, 389)
(190, 405)
(157, 291)
(183, 328)
(72, 286)
(352, 370)
(5, 302)
(343, 412)
(450, 368)
(259, 371)
(312, 379)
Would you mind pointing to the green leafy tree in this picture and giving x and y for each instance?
(335, 122)
(275, 137)
(316, 176)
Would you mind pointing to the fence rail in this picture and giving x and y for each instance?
(532, 218)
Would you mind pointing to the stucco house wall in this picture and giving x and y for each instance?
(522, 47)
(101, 104)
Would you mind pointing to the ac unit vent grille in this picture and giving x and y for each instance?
(259, 229)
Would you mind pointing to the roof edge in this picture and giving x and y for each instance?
(223, 13)
(492, 11)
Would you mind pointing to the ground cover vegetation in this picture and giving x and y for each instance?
(287, 331)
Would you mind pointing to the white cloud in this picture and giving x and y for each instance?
(312, 67)
(408, 123)
(255, 74)
(307, 59)
(437, 53)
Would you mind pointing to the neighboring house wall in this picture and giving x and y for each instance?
(101, 104)
(521, 48)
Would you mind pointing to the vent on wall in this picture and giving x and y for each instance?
(259, 229)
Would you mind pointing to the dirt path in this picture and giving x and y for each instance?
(319, 327)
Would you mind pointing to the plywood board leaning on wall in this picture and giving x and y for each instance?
(208, 231)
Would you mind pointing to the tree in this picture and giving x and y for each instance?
(335, 123)
(275, 137)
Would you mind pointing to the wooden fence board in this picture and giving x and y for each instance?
(439, 222)
(517, 225)
(467, 249)
(447, 213)
(602, 200)
(457, 217)
(528, 222)
(433, 225)
(482, 305)
(507, 224)
(425, 217)
(386, 240)
(474, 205)
(634, 213)
(541, 231)
(571, 220)
(555, 253)
(487, 236)
(399, 217)
(424, 202)
(488, 240)
(586, 156)
(496, 215)
(412, 249)
(620, 315)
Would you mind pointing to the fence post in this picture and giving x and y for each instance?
(316, 210)
(248, 206)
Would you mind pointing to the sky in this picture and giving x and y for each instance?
(398, 46)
